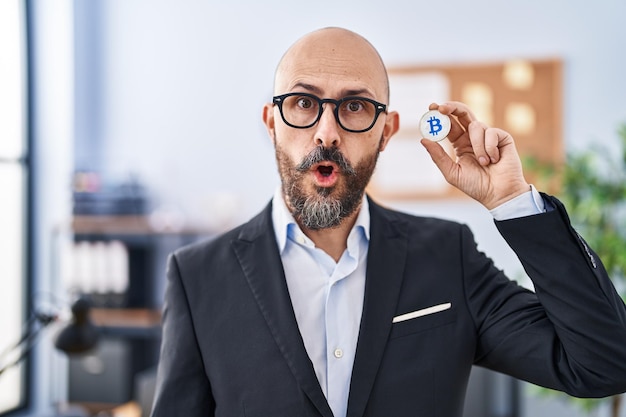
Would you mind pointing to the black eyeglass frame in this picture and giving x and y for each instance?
(279, 100)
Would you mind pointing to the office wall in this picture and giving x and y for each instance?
(181, 83)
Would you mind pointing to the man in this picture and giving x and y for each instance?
(327, 304)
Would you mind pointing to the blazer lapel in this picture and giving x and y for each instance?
(385, 267)
(260, 261)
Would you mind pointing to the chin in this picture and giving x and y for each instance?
(325, 191)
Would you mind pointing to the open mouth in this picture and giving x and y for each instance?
(326, 173)
(325, 170)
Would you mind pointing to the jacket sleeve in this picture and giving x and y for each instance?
(182, 386)
(571, 335)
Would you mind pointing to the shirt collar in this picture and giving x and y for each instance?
(283, 220)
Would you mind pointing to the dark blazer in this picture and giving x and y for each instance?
(231, 344)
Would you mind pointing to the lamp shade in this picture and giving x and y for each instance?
(80, 334)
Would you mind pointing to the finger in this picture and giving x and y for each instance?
(439, 156)
(493, 136)
(458, 124)
(477, 138)
(502, 139)
(456, 132)
(463, 114)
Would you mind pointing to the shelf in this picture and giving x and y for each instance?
(126, 225)
(130, 409)
(111, 225)
(137, 322)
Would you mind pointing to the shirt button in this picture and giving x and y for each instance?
(301, 240)
(338, 353)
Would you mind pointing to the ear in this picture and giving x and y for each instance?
(392, 124)
(268, 120)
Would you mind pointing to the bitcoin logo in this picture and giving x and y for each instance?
(435, 125)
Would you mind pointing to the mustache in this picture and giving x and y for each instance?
(321, 154)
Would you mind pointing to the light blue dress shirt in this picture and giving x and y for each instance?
(327, 296)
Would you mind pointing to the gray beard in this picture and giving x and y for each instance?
(316, 213)
(320, 209)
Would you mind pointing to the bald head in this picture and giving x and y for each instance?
(327, 56)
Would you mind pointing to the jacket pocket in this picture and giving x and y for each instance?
(423, 323)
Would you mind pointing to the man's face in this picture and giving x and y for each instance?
(324, 169)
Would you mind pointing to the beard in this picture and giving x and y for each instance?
(324, 207)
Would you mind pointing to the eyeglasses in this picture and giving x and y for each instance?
(354, 114)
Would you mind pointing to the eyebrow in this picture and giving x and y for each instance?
(308, 87)
(346, 93)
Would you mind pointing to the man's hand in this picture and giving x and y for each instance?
(487, 166)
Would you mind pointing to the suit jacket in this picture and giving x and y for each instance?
(231, 345)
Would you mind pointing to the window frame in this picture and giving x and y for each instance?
(22, 162)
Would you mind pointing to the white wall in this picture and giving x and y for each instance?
(184, 81)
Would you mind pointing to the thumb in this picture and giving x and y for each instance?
(439, 157)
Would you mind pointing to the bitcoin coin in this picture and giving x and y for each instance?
(434, 125)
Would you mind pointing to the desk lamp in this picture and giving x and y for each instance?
(78, 336)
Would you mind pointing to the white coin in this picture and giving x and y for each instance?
(434, 125)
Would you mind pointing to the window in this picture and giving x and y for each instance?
(13, 198)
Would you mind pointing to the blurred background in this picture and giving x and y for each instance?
(131, 127)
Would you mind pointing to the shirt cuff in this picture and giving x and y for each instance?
(527, 204)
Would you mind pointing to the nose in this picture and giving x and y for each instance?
(327, 132)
